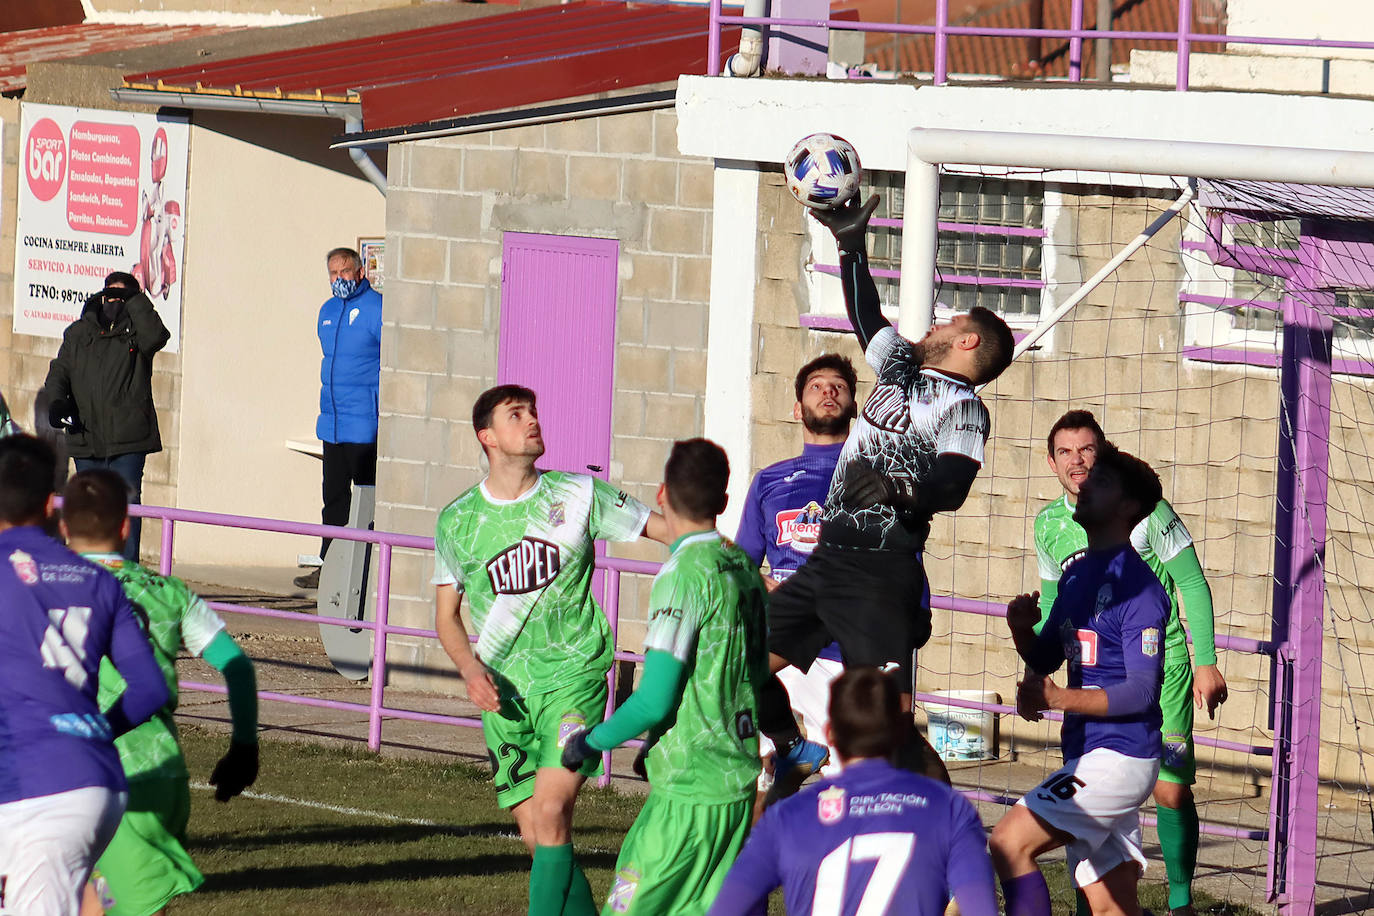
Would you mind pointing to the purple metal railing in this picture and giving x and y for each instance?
(614, 567)
(1183, 38)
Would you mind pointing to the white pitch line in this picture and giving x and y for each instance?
(356, 812)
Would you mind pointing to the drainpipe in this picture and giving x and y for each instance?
(360, 157)
(748, 60)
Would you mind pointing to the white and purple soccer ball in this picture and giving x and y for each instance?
(823, 171)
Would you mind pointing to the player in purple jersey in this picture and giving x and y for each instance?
(915, 451)
(62, 789)
(876, 839)
(782, 524)
(1107, 622)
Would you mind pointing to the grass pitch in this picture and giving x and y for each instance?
(328, 830)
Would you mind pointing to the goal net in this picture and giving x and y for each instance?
(1234, 351)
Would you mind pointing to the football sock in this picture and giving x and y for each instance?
(915, 755)
(580, 900)
(1178, 840)
(775, 715)
(550, 876)
(1027, 895)
(1081, 907)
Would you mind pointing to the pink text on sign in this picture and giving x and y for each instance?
(102, 179)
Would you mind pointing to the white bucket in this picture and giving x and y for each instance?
(959, 733)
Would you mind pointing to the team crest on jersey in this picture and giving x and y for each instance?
(623, 891)
(525, 566)
(569, 725)
(830, 805)
(800, 529)
(556, 515)
(24, 567)
(887, 408)
(1149, 641)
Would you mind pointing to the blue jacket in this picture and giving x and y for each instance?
(350, 373)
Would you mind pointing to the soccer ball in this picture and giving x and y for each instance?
(823, 171)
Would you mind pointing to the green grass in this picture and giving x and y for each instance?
(446, 849)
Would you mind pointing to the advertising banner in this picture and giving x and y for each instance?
(99, 191)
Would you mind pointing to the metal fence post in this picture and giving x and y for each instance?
(1185, 44)
(713, 41)
(941, 74)
(374, 715)
(164, 560)
(612, 581)
(1076, 42)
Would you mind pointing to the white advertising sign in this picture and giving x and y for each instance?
(99, 191)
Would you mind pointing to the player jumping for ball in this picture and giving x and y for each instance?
(915, 451)
(146, 863)
(875, 839)
(704, 660)
(1163, 541)
(1108, 622)
(520, 546)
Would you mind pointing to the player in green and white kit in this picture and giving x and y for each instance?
(520, 546)
(1163, 542)
(146, 863)
(705, 659)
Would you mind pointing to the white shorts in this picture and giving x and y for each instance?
(809, 695)
(48, 846)
(1096, 799)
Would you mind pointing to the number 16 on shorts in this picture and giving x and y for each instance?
(1059, 787)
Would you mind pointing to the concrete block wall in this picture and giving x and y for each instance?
(448, 204)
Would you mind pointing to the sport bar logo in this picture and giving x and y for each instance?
(45, 159)
(525, 566)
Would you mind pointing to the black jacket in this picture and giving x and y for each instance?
(108, 375)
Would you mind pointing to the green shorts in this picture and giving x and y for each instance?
(1176, 702)
(529, 732)
(676, 855)
(146, 863)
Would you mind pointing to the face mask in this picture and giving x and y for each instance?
(343, 288)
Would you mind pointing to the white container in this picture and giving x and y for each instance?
(960, 733)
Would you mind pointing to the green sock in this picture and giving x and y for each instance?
(1178, 838)
(1080, 904)
(549, 879)
(580, 899)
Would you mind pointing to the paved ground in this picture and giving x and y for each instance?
(291, 659)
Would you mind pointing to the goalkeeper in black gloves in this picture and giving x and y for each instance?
(915, 451)
(146, 863)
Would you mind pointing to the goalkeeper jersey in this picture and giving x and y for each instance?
(1060, 541)
(526, 567)
(174, 616)
(706, 609)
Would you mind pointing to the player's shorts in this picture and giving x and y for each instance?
(1096, 799)
(1179, 763)
(146, 864)
(809, 695)
(676, 855)
(869, 601)
(48, 845)
(529, 733)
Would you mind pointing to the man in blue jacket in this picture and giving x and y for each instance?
(350, 329)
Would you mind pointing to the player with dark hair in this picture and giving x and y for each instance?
(1163, 542)
(62, 790)
(1107, 622)
(875, 839)
(146, 863)
(915, 451)
(781, 522)
(704, 660)
(520, 546)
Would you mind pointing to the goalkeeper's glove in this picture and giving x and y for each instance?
(864, 487)
(577, 751)
(849, 223)
(235, 771)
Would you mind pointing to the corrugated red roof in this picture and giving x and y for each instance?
(28, 46)
(487, 64)
(1009, 56)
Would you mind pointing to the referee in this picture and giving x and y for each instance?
(915, 451)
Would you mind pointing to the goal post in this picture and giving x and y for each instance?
(1304, 413)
